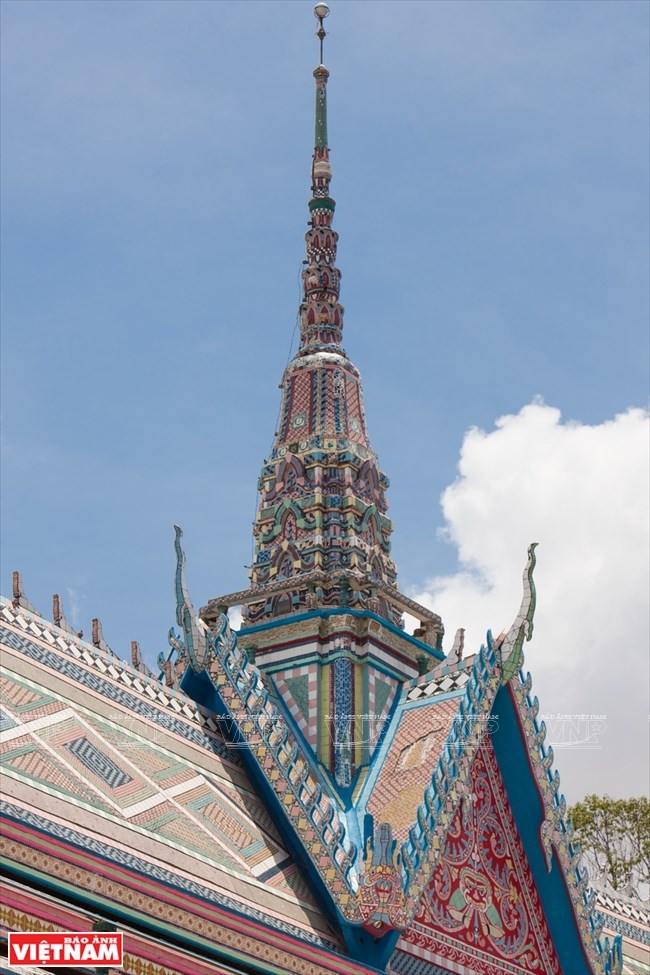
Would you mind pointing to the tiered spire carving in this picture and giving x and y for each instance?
(321, 315)
(322, 533)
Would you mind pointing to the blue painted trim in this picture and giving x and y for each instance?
(363, 947)
(343, 611)
(311, 656)
(334, 791)
(382, 748)
(201, 689)
(511, 750)
(373, 953)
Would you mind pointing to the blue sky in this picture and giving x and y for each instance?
(490, 171)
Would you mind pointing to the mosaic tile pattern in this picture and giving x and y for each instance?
(322, 494)
(557, 833)
(149, 699)
(406, 964)
(25, 699)
(636, 912)
(358, 889)
(298, 688)
(406, 769)
(149, 869)
(28, 761)
(620, 925)
(439, 685)
(630, 920)
(6, 723)
(221, 947)
(380, 695)
(269, 742)
(216, 821)
(98, 763)
(95, 763)
(342, 711)
(98, 660)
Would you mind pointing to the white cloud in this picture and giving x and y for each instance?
(581, 492)
(235, 617)
(73, 605)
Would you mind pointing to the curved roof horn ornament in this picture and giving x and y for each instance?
(511, 647)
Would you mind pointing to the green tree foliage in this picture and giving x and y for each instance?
(615, 836)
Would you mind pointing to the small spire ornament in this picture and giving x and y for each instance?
(321, 11)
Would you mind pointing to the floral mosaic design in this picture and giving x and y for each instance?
(482, 898)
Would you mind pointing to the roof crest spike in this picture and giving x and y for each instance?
(20, 598)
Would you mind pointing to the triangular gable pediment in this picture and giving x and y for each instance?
(371, 848)
(481, 909)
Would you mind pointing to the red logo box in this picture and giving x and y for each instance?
(65, 949)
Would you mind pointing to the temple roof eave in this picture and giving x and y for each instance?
(308, 358)
(327, 613)
(254, 594)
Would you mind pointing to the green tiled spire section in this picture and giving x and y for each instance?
(321, 74)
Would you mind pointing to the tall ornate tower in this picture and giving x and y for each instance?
(323, 618)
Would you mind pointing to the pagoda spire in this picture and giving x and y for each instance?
(321, 314)
(323, 617)
(322, 513)
(322, 531)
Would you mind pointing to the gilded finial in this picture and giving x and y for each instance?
(321, 11)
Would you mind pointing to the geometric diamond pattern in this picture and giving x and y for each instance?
(163, 776)
(42, 768)
(98, 763)
(22, 698)
(163, 699)
(439, 685)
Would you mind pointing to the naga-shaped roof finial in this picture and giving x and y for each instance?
(522, 628)
(195, 642)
